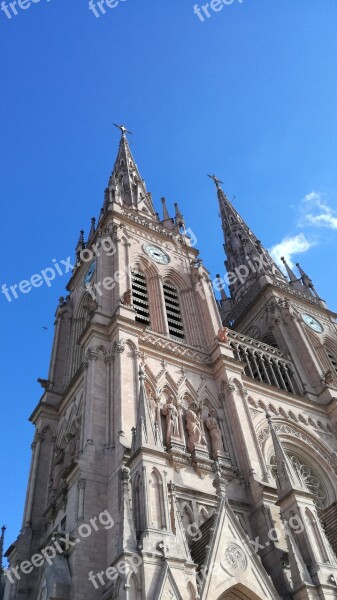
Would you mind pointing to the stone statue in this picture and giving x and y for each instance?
(194, 428)
(215, 433)
(172, 420)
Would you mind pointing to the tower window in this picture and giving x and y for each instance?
(174, 320)
(140, 298)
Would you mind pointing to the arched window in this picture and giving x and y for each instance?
(309, 476)
(140, 298)
(78, 325)
(173, 313)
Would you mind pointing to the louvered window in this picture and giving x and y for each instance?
(140, 299)
(332, 360)
(173, 313)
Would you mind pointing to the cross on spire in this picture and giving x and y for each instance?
(216, 180)
(123, 129)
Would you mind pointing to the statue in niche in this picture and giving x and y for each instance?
(58, 467)
(215, 433)
(194, 427)
(172, 420)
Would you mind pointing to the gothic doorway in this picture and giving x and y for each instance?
(239, 592)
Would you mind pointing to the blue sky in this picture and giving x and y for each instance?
(249, 94)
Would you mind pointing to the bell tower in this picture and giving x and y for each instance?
(153, 473)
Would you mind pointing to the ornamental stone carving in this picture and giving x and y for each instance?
(194, 428)
(215, 434)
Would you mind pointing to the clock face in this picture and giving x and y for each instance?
(156, 254)
(90, 272)
(313, 323)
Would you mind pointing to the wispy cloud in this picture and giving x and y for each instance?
(288, 247)
(316, 212)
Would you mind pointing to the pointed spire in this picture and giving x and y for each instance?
(307, 282)
(92, 228)
(245, 253)
(80, 245)
(145, 434)
(126, 185)
(166, 216)
(288, 479)
(291, 273)
(221, 288)
(179, 219)
(294, 281)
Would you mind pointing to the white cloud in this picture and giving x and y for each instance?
(289, 246)
(316, 212)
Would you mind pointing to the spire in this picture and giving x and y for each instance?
(92, 228)
(291, 273)
(126, 187)
(307, 282)
(145, 434)
(221, 288)
(288, 479)
(294, 281)
(179, 219)
(246, 257)
(166, 216)
(80, 244)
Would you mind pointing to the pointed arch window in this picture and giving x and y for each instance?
(140, 298)
(79, 323)
(173, 312)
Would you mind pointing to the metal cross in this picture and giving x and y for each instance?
(123, 129)
(216, 180)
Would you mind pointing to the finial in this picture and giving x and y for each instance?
(141, 374)
(221, 287)
(123, 129)
(290, 272)
(268, 417)
(216, 180)
(92, 228)
(166, 216)
(179, 217)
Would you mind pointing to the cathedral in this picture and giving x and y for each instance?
(185, 442)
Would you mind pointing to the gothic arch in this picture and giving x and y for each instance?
(239, 592)
(79, 322)
(172, 276)
(156, 500)
(166, 382)
(133, 586)
(147, 267)
(305, 446)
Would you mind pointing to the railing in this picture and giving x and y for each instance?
(264, 363)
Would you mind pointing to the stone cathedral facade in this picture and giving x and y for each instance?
(185, 447)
